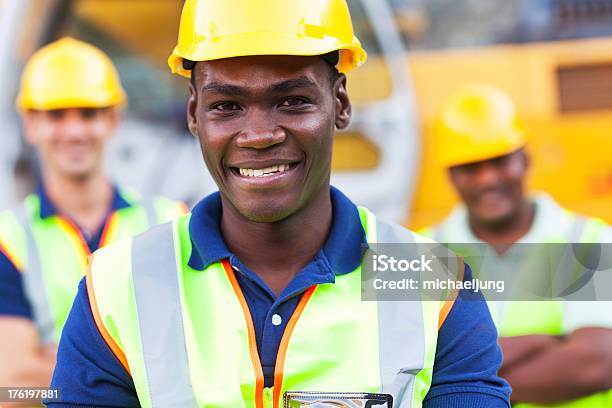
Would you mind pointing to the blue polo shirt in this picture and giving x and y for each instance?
(467, 357)
(13, 299)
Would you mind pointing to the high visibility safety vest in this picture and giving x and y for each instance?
(552, 224)
(188, 340)
(53, 256)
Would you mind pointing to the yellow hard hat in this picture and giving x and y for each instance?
(478, 122)
(216, 29)
(69, 74)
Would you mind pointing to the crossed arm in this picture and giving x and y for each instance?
(24, 362)
(546, 369)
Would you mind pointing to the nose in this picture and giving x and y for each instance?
(486, 174)
(260, 134)
(73, 125)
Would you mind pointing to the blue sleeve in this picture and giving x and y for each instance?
(468, 358)
(13, 300)
(87, 372)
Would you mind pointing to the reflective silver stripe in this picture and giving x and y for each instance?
(160, 319)
(578, 227)
(35, 287)
(400, 332)
(574, 287)
(149, 206)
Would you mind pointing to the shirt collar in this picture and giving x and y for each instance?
(457, 227)
(343, 248)
(48, 209)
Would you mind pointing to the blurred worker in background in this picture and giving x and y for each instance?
(69, 99)
(550, 355)
(255, 298)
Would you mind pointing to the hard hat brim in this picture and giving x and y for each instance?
(118, 101)
(485, 153)
(268, 43)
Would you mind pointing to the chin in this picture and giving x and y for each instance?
(497, 220)
(265, 211)
(77, 173)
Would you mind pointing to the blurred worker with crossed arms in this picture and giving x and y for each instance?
(70, 100)
(555, 353)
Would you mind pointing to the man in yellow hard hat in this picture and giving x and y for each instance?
(555, 353)
(69, 100)
(254, 299)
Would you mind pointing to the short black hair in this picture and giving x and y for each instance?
(331, 58)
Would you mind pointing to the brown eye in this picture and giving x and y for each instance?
(293, 102)
(226, 107)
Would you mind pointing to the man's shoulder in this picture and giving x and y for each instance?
(577, 226)
(392, 232)
(117, 255)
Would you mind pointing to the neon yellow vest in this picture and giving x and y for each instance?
(188, 340)
(53, 256)
(522, 318)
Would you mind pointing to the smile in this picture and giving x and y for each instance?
(269, 171)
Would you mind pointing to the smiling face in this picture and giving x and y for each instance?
(70, 141)
(492, 190)
(265, 125)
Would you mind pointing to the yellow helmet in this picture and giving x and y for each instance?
(216, 29)
(478, 122)
(69, 74)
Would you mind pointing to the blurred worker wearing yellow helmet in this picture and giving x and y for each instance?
(555, 353)
(69, 100)
(254, 299)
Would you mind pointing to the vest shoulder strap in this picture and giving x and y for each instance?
(586, 229)
(158, 301)
(34, 283)
(420, 320)
(578, 226)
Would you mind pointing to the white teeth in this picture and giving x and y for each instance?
(264, 172)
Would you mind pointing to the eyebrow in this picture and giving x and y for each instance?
(224, 89)
(291, 84)
(279, 87)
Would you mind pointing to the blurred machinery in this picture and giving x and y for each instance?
(552, 56)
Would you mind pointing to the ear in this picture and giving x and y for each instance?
(342, 102)
(192, 107)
